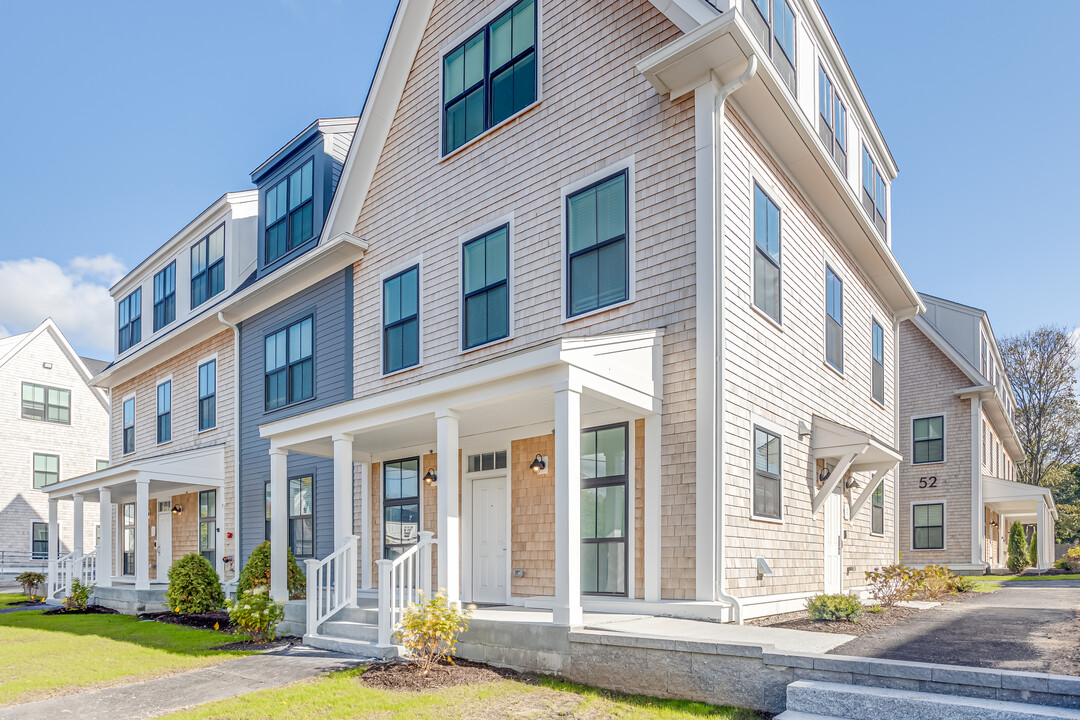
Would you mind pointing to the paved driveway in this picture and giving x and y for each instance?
(1033, 626)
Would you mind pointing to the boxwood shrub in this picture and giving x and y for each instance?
(257, 573)
(834, 607)
(194, 586)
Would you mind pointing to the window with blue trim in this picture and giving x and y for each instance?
(766, 254)
(207, 395)
(165, 297)
(597, 239)
(164, 412)
(129, 313)
(401, 320)
(290, 212)
(485, 287)
(208, 267)
(834, 319)
(289, 371)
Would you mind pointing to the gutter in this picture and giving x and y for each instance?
(723, 94)
(236, 439)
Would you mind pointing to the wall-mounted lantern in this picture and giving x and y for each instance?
(177, 509)
(430, 477)
(538, 465)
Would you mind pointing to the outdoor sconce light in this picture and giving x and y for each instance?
(538, 465)
(763, 568)
(177, 509)
(430, 477)
(851, 483)
(824, 475)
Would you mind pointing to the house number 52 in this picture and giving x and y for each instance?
(927, 482)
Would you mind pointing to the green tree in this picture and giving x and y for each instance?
(1018, 555)
(1067, 499)
(1033, 548)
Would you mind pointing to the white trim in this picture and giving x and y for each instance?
(59, 465)
(626, 165)
(416, 262)
(467, 568)
(631, 506)
(213, 357)
(944, 525)
(134, 424)
(476, 233)
(874, 321)
(831, 264)
(757, 421)
(944, 438)
(157, 409)
(757, 179)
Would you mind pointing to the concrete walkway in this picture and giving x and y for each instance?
(177, 692)
(784, 640)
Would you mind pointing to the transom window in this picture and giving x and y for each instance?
(929, 439)
(164, 412)
(40, 402)
(832, 119)
(603, 510)
(766, 254)
(877, 510)
(401, 506)
(208, 267)
(129, 313)
(301, 516)
(774, 25)
(290, 212)
(46, 469)
(490, 76)
(207, 395)
(834, 319)
(767, 475)
(877, 360)
(487, 461)
(485, 288)
(129, 426)
(928, 523)
(290, 364)
(401, 320)
(874, 198)
(208, 525)
(165, 297)
(597, 220)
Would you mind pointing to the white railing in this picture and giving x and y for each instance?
(397, 584)
(60, 575)
(86, 568)
(331, 584)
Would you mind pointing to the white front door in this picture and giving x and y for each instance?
(164, 542)
(834, 541)
(489, 540)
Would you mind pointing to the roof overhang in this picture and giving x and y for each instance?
(1016, 498)
(718, 51)
(848, 450)
(172, 474)
(992, 405)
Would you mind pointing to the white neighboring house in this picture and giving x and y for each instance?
(53, 426)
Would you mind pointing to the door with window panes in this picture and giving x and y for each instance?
(208, 525)
(401, 506)
(301, 519)
(604, 510)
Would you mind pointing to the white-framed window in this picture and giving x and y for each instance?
(877, 362)
(834, 319)
(289, 364)
(767, 502)
(877, 510)
(128, 411)
(49, 404)
(485, 288)
(766, 254)
(928, 526)
(401, 320)
(208, 394)
(208, 267)
(129, 320)
(164, 411)
(928, 439)
(875, 199)
(46, 469)
(832, 119)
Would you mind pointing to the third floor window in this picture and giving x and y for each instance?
(165, 297)
(46, 403)
(766, 254)
(832, 120)
(129, 313)
(873, 185)
(290, 364)
(208, 267)
(290, 212)
(773, 22)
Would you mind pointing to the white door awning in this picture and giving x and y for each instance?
(849, 450)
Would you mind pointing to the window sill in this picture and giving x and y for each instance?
(830, 366)
(206, 430)
(767, 317)
(877, 402)
(597, 311)
(492, 343)
(163, 444)
(877, 535)
(927, 464)
(399, 371)
(481, 136)
(289, 405)
(772, 521)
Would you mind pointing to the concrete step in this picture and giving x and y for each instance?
(796, 715)
(358, 615)
(861, 702)
(351, 630)
(348, 646)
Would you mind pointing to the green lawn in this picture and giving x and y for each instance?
(42, 656)
(342, 695)
(1026, 578)
(6, 599)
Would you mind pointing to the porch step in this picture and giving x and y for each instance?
(350, 630)
(358, 615)
(862, 702)
(796, 715)
(348, 646)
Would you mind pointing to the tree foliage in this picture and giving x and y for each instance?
(194, 586)
(257, 572)
(1018, 554)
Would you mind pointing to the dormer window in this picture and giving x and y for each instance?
(773, 22)
(208, 267)
(832, 120)
(874, 198)
(129, 317)
(290, 211)
(165, 297)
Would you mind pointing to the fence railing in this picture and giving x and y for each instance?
(19, 561)
(398, 584)
(86, 568)
(60, 571)
(331, 584)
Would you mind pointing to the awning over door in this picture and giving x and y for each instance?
(846, 450)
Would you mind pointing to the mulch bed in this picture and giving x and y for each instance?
(90, 610)
(203, 621)
(280, 644)
(20, 603)
(406, 677)
(868, 623)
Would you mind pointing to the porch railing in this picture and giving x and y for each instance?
(86, 568)
(397, 584)
(331, 584)
(60, 571)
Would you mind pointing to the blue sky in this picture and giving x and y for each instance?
(130, 118)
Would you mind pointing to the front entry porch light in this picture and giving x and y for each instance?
(177, 509)
(538, 465)
(430, 477)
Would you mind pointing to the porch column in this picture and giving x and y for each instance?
(977, 553)
(219, 534)
(52, 550)
(77, 525)
(1043, 531)
(365, 522)
(343, 493)
(567, 460)
(652, 507)
(105, 543)
(279, 524)
(449, 521)
(142, 533)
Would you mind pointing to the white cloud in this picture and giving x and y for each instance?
(76, 297)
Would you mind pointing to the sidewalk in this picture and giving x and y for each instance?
(177, 692)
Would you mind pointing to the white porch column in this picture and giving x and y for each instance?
(449, 520)
(977, 512)
(52, 550)
(567, 460)
(365, 522)
(652, 507)
(219, 533)
(1043, 531)
(343, 489)
(279, 524)
(142, 532)
(77, 525)
(105, 542)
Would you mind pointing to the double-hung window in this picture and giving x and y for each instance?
(208, 525)
(766, 254)
(46, 469)
(877, 510)
(877, 362)
(485, 288)
(165, 297)
(928, 434)
(834, 319)
(290, 364)
(401, 506)
(490, 76)
(773, 22)
(604, 510)
(129, 426)
(207, 395)
(401, 320)
(873, 185)
(767, 475)
(832, 120)
(928, 526)
(597, 245)
(164, 412)
(129, 319)
(208, 267)
(301, 518)
(49, 404)
(39, 543)
(290, 212)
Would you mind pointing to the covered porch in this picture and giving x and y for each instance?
(151, 511)
(501, 458)
(1006, 502)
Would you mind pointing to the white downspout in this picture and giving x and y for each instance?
(723, 94)
(236, 440)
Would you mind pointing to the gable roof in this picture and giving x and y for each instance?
(9, 350)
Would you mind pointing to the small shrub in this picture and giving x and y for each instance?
(876, 609)
(937, 581)
(1033, 549)
(1018, 556)
(256, 572)
(194, 586)
(834, 607)
(79, 595)
(256, 614)
(1071, 561)
(430, 629)
(31, 582)
(893, 584)
(965, 583)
